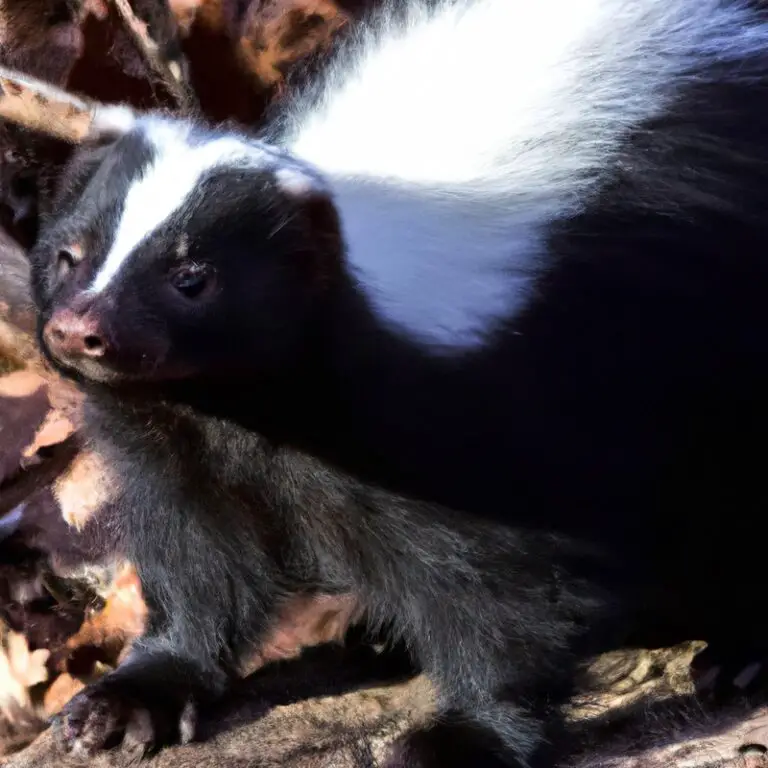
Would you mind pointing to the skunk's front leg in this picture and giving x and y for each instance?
(198, 627)
(150, 700)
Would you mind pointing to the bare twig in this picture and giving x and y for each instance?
(43, 107)
(171, 73)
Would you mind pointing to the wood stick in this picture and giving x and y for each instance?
(42, 107)
(170, 73)
(47, 109)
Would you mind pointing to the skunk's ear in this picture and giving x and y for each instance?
(312, 199)
(47, 109)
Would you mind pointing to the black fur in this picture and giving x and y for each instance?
(224, 527)
(601, 448)
(644, 337)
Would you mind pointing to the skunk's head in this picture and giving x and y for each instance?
(174, 251)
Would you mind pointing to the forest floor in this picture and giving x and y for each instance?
(64, 618)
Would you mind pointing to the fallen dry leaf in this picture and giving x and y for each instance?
(305, 621)
(185, 12)
(279, 33)
(21, 384)
(23, 409)
(121, 620)
(54, 429)
(63, 688)
(20, 669)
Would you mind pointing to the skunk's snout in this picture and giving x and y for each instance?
(108, 345)
(71, 335)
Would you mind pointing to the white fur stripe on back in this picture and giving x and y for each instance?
(513, 108)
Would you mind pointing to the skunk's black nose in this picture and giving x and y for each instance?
(70, 334)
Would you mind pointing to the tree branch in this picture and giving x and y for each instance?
(170, 72)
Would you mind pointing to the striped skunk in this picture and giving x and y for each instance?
(501, 270)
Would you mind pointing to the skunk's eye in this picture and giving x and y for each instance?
(192, 280)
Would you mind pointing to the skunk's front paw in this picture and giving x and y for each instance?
(117, 711)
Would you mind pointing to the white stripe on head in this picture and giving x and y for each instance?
(165, 185)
